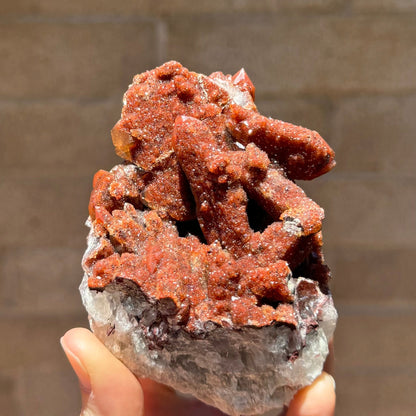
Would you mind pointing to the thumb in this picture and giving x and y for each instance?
(318, 399)
(108, 388)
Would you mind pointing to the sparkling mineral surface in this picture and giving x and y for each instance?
(204, 268)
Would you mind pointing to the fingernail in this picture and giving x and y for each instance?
(78, 367)
(333, 381)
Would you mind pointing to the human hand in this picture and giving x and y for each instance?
(108, 388)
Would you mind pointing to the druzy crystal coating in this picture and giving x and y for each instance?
(204, 269)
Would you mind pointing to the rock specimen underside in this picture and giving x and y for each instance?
(204, 269)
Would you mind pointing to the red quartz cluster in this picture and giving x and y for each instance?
(204, 215)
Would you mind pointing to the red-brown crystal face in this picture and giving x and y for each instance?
(204, 215)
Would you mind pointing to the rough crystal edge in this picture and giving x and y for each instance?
(237, 376)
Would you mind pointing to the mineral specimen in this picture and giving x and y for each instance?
(204, 269)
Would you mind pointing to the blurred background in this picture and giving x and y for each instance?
(344, 68)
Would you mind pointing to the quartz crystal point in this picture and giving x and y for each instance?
(204, 269)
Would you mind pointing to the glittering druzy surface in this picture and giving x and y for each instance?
(204, 229)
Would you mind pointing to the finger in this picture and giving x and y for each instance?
(108, 388)
(318, 399)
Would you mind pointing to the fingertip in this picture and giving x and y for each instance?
(76, 364)
(331, 380)
(318, 399)
(110, 386)
(73, 337)
(77, 331)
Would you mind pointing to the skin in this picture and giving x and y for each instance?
(108, 388)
